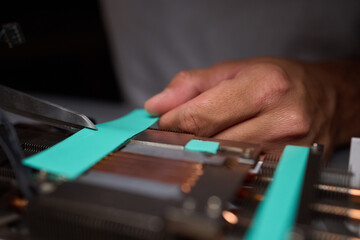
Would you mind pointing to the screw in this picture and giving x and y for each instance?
(189, 204)
(213, 209)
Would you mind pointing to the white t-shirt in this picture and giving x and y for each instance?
(152, 40)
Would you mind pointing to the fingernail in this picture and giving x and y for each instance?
(151, 111)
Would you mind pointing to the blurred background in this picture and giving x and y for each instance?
(65, 52)
(66, 57)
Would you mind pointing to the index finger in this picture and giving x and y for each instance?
(212, 111)
(255, 89)
(189, 84)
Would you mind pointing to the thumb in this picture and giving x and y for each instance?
(188, 84)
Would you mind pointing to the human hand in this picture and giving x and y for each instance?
(270, 101)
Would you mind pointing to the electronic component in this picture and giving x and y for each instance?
(150, 187)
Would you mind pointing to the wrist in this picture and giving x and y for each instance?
(343, 78)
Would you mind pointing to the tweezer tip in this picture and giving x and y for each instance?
(87, 123)
(94, 128)
(91, 125)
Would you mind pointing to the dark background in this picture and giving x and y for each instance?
(65, 52)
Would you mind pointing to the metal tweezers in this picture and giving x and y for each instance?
(23, 104)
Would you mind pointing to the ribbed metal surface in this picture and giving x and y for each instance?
(148, 167)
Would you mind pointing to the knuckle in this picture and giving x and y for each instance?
(297, 124)
(183, 76)
(272, 83)
(191, 122)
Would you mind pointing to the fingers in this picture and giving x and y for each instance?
(254, 90)
(272, 126)
(261, 101)
(189, 84)
(272, 130)
(212, 111)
